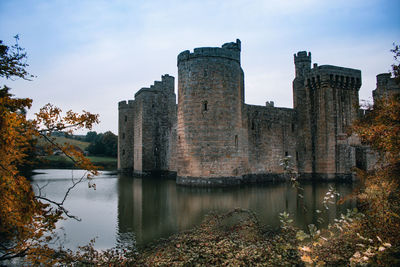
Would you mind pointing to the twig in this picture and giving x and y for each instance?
(60, 206)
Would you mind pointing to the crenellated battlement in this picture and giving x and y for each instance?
(302, 62)
(126, 104)
(336, 77)
(227, 50)
(302, 56)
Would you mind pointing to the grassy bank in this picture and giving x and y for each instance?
(63, 162)
(61, 140)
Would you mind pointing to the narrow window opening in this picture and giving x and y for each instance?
(292, 127)
(252, 125)
(236, 141)
(297, 155)
(205, 106)
(126, 118)
(286, 153)
(123, 136)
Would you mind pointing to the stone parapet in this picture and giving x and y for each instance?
(228, 51)
(126, 104)
(336, 77)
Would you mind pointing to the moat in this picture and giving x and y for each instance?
(125, 210)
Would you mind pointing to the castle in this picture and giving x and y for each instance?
(211, 137)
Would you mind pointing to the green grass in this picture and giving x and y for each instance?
(62, 162)
(61, 140)
(95, 159)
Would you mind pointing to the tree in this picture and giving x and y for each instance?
(103, 144)
(91, 136)
(27, 221)
(379, 193)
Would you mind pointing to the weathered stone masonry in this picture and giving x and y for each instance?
(213, 138)
(147, 129)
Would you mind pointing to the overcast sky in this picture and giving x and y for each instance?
(91, 54)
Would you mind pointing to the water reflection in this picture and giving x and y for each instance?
(135, 211)
(153, 208)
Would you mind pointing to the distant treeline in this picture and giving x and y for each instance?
(101, 144)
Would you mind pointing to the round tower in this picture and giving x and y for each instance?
(211, 137)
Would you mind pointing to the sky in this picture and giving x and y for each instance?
(91, 54)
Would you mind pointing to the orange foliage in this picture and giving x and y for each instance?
(380, 128)
(27, 221)
(379, 196)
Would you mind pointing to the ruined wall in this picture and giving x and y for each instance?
(326, 106)
(125, 135)
(272, 136)
(212, 141)
(152, 133)
(156, 118)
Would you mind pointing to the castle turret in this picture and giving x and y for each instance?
(155, 119)
(302, 62)
(325, 100)
(211, 137)
(147, 136)
(125, 135)
(301, 104)
(385, 86)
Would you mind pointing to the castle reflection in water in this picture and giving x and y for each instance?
(149, 209)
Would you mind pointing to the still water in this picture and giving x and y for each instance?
(126, 210)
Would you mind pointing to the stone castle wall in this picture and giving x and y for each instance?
(272, 136)
(152, 133)
(212, 137)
